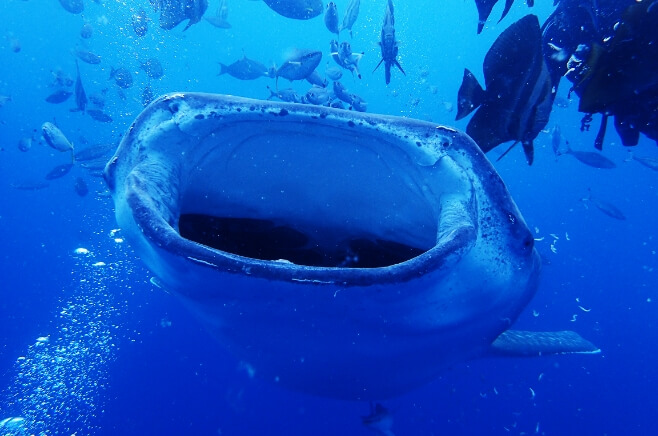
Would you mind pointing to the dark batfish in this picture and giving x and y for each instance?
(517, 101)
(331, 18)
(485, 6)
(140, 23)
(153, 68)
(351, 14)
(300, 65)
(174, 12)
(296, 9)
(389, 44)
(59, 171)
(649, 162)
(59, 96)
(88, 57)
(80, 94)
(99, 115)
(244, 69)
(73, 6)
(80, 187)
(122, 77)
(94, 152)
(220, 19)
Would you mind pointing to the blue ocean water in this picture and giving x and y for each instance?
(89, 346)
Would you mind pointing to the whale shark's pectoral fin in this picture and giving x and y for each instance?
(524, 343)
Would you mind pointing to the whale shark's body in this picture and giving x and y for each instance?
(338, 253)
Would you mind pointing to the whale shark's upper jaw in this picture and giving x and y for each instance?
(260, 213)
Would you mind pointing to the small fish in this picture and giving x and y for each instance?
(244, 69)
(59, 171)
(331, 18)
(556, 140)
(4, 99)
(389, 44)
(99, 115)
(296, 9)
(55, 138)
(80, 187)
(351, 14)
(318, 96)
(80, 94)
(59, 96)
(15, 45)
(94, 152)
(72, 6)
(299, 65)
(359, 104)
(87, 31)
(220, 19)
(341, 93)
(147, 95)
(25, 144)
(288, 94)
(606, 207)
(315, 79)
(122, 77)
(153, 68)
(87, 56)
(649, 162)
(30, 186)
(591, 158)
(174, 12)
(140, 23)
(333, 73)
(61, 79)
(98, 100)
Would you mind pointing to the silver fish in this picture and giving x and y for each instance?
(220, 19)
(55, 138)
(331, 18)
(299, 65)
(351, 14)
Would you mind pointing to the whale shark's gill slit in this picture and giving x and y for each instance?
(266, 240)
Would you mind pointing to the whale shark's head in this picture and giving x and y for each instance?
(339, 253)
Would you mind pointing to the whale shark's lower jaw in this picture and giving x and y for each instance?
(341, 254)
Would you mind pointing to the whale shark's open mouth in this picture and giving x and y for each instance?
(331, 250)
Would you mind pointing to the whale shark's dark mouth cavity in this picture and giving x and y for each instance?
(267, 240)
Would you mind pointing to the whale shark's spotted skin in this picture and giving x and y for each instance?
(339, 253)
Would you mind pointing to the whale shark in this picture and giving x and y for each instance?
(342, 254)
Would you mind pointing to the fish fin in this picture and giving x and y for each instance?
(529, 151)
(524, 343)
(222, 69)
(399, 66)
(508, 6)
(470, 95)
(380, 62)
(507, 151)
